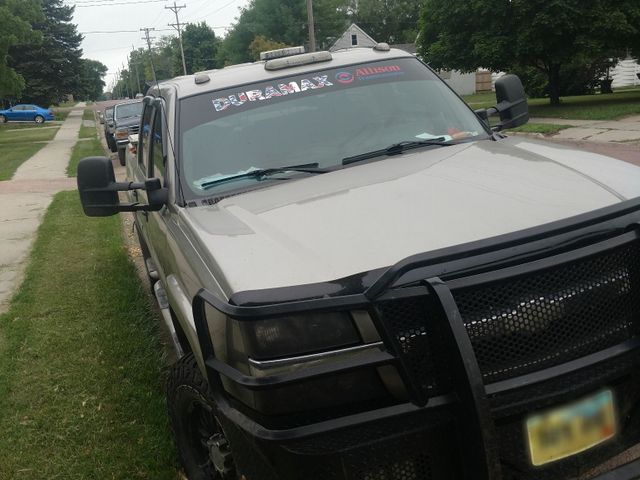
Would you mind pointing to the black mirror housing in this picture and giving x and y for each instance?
(99, 190)
(95, 174)
(512, 102)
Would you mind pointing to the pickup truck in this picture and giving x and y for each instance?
(126, 121)
(365, 280)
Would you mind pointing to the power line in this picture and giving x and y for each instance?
(79, 5)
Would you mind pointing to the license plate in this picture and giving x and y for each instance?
(574, 428)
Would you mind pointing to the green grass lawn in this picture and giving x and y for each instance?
(81, 369)
(87, 148)
(27, 135)
(610, 106)
(17, 146)
(12, 156)
(544, 128)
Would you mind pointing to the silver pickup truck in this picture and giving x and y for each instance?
(367, 281)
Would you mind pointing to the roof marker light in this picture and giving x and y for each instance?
(201, 78)
(282, 52)
(297, 60)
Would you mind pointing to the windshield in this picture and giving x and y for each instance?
(321, 117)
(127, 110)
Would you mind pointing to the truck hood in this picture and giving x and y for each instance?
(371, 215)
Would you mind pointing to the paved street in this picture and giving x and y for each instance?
(25, 199)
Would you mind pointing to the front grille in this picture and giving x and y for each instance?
(134, 129)
(526, 323)
(547, 318)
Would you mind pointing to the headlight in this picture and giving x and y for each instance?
(122, 133)
(298, 334)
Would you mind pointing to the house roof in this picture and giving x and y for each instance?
(348, 32)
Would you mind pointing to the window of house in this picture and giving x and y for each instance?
(354, 39)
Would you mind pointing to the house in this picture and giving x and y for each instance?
(354, 36)
(625, 73)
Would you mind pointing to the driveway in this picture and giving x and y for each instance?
(25, 199)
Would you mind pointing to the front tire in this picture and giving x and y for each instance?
(38, 119)
(122, 156)
(202, 445)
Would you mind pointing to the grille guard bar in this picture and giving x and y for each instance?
(431, 274)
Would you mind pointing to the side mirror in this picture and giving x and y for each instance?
(95, 174)
(99, 190)
(512, 104)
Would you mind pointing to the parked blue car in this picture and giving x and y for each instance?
(26, 113)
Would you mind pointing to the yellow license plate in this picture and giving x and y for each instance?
(574, 428)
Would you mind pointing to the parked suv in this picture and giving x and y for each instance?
(364, 280)
(126, 120)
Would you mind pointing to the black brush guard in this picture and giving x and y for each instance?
(437, 276)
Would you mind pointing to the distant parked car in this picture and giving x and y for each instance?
(26, 113)
(109, 129)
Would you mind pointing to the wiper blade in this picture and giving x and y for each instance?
(260, 173)
(397, 148)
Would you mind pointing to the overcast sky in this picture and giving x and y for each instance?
(123, 19)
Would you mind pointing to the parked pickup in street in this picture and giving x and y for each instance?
(364, 280)
(126, 121)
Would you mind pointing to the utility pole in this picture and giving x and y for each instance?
(312, 30)
(175, 9)
(146, 31)
(128, 82)
(135, 64)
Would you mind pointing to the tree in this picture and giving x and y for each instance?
(200, 47)
(15, 19)
(282, 21)
(546, 35)
(51, 68)
(392, 21)
(91, 83)
(262, 44)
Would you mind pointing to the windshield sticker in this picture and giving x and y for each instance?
(271, 91)
(369, 73)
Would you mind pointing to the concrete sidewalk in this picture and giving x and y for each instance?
(26, 197)
(603, 131)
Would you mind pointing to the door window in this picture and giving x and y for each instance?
(143, 140)
(157, 151)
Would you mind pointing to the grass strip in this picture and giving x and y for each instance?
(87, 132)
(544, 128)
(80, 360)
(611, 106)
(27, 135)
(88, 148)
(88, 114)
(11, 157)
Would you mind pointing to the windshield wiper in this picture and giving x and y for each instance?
(397, 148)
(260, 173)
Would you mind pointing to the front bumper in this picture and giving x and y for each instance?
(465, 416)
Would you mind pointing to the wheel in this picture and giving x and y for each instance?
(122, 156)
(202, 445)
(3, 119)
(112, 143)
(39, 119)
